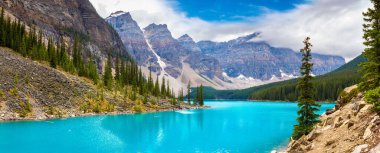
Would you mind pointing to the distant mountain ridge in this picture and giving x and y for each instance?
(331, 84)
(235, 64)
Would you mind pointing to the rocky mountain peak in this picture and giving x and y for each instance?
(187, 42)
(244, 39)
(185, 38)
(157, 30)
(133, 38)
(120, 13)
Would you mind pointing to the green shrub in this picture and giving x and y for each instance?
(2, 94)
(347, 97)
(373, 97)
(138, 108)
(26, 108)
(14, 92)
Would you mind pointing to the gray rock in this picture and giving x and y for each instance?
(359, 148)
(330, 142)
(133, 39)
(314, 134)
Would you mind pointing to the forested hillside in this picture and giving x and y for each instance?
(45, 76)
(327, 86)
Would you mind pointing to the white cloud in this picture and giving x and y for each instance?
(333, 25)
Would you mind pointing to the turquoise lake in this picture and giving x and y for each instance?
(227, 127)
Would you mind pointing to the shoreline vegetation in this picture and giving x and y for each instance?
(128, 112)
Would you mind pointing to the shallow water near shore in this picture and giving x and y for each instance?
(229, 126)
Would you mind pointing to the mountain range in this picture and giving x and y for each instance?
(239, 63)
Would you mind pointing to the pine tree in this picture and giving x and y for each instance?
(307, 117)
(371, 68)
(51, 53)
(122, 73)
(76, 53)
(201, 101)
(188, 93)
(156, 88)
(117, 69)
(197, 96)
(107, 77)
(180, 95)
(163, 88)
(2, 28)
(92, 70)
(150, 80)
(168, 93)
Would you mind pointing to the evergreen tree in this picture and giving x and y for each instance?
(2, 28)
(168, 93)
(371, 68)
(51, 53)
(92, 70)
(156, 88)
(307, 117)
(163, 88)
(122, 72)
(150, 80)
(76, 53)
(117, 69)
(188, 93)
(197, 96)
(180, 95)
(107, 77)
(201, 100)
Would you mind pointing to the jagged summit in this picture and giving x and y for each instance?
(133, 39)
(246, 38)
(185, 38)
(159, 30)
(119, 13)
(154, 25)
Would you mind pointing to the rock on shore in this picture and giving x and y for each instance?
(353, 127)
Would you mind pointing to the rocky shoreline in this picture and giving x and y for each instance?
(351, 126)
(11, 116)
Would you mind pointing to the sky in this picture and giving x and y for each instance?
(335, 26)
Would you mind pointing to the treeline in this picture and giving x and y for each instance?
(327, 87)
(199, 98)
(31, 44)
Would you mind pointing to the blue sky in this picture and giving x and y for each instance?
(233, 10)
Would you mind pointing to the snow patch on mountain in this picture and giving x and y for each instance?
(159, 61)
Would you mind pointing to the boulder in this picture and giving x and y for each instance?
(376, 149)
(330, 111)
(312, 135)
(328, 121)
(330, 142)
(349, 123)
(338, 124)
(368, 130)
(359, 148)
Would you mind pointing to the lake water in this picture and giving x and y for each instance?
(227, 127)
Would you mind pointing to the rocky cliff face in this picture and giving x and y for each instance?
(68, 18)
(133, 39)
(350, 127)
(165, 46)
(238, 63)
(243, 56)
